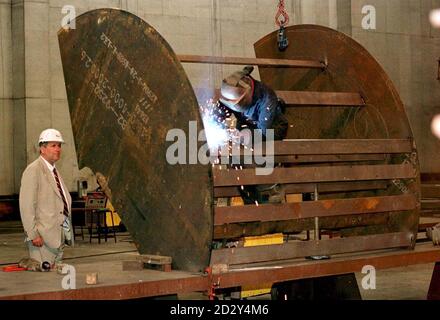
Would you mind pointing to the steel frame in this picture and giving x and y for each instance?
(208, 282)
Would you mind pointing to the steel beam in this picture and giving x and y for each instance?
(311, 209)
(224, 178)
(297, 249)
(430, 191)
(341, 146)
(252, 61)
(309, 187)
(316, 98)
(329, 158)
(247, 275)
(336, 265)
(124, 291)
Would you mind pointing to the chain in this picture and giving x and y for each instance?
(282, 17)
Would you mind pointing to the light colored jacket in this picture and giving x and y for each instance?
(41, 205)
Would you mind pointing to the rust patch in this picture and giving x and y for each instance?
(371, 204)
(327, 204)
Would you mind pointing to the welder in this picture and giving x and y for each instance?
(255, 106)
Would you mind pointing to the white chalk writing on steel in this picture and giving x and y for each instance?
(127, 65)
(111, 98)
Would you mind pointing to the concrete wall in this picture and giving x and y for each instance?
(223, 27)
(34, 78)
(205, 27)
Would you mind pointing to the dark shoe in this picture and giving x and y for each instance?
(30, 264)
(248, 194)
(271, 193)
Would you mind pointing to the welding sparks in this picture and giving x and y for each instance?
(220, 126)
(222, 134)
(213, 121)
(215, 118)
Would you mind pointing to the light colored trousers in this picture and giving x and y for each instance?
(45, 253)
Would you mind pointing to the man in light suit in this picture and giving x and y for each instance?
(45, 203)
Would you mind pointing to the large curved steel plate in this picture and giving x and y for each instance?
(126, 90)
(349, 68)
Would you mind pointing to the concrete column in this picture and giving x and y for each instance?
(37, 80)
(6, 101)
(18, 91)
(40, 100)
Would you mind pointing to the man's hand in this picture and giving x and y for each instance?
(231, 122)
(245, 137)
(38, 242)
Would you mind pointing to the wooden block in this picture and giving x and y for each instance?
(132, 265)
(154, 259)
(292, 198)
(92, 278)
(166, 267)
(222, 202)
(219, 268)
(237, 201)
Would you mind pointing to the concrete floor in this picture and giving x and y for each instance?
(405, 283)
(105, 259)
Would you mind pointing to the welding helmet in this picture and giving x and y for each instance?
(234, 89)
(50, 135)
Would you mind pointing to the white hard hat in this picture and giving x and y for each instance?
(50, 135)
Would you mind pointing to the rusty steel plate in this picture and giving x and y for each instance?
(126, 89)
(350, 69)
